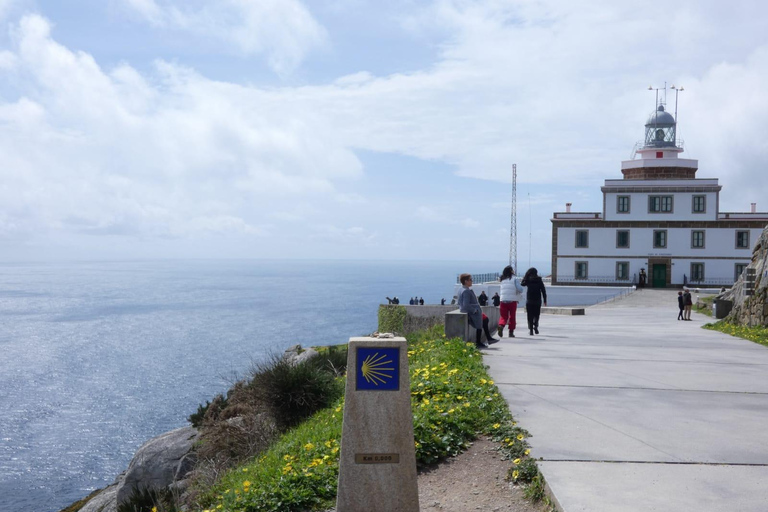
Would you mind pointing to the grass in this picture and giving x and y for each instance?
(756, 334)
(707, 310)
(453, 401)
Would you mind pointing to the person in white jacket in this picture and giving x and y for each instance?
(511, 293)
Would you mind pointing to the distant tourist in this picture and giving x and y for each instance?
(412, 301)
(681, 305)
(496, 300)
(395, 300)
(687, 302)
(511, 294)
(643, 279)
(421, 301)
(483, 299)
(442, 301)
(536, 291)
(468, 304)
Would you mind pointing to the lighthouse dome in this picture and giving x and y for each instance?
(660, 118)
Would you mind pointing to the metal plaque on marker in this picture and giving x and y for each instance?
(377, 458)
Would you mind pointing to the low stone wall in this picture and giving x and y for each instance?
(418, 318)
(751, 310)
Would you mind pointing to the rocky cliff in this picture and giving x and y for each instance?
(751, 309)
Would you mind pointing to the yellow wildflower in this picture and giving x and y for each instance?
(515, 474)
(308, 446)
(516, 462)
(520, 437)
(528, 452)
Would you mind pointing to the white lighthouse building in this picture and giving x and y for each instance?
(661, 219)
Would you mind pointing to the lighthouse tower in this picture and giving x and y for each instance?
(659, 154)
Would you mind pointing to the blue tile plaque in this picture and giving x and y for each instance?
(378, 369)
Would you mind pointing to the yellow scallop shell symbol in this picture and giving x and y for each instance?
(375, 371)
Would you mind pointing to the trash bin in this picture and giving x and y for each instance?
(722, 308)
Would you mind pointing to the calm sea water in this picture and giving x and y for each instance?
(96, 358)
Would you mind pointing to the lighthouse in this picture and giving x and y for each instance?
(659, 219)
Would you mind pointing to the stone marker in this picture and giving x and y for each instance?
(377, 466)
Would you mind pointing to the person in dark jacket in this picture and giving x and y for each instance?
(536, 291)
(483, 298)
(681, 305)
(468, 304)
(687, 303)
(496, 300)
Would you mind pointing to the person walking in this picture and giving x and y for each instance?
(468, 304)
(681, 305)
(536, 291)
(643, 279)
(511, 293)
(687, 302)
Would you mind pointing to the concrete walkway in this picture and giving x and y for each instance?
(631, 410)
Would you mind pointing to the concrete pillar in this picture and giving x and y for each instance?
(377, 465)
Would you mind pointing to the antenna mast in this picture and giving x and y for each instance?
(513, 228)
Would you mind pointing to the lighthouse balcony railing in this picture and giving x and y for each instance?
(578, 215)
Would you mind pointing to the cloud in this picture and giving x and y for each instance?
(555, 87)
(171, 155)
(284, 31)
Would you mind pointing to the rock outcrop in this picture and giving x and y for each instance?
(751, 310)
(162, 462)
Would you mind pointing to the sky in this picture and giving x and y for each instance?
(354, 129)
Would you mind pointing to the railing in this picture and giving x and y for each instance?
(723, 281)
(594, 279)
(482, 278)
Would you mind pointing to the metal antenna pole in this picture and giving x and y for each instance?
(513, 227)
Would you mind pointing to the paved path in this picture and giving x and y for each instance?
(632, 410)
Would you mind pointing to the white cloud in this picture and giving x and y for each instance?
(169, 156)
(282, 30)
(553, 86)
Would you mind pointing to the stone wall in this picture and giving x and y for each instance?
(751, 310)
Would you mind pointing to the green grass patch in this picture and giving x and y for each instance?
(707, 309)
(453, 399)
(756, 334)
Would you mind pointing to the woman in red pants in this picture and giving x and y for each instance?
(511, 293)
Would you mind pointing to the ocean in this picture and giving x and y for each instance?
(96, 358)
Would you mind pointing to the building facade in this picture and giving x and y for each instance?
(660, 219)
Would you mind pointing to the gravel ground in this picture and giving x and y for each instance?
(474, 480)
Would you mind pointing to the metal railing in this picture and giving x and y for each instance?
(482, 278)
(561, 279)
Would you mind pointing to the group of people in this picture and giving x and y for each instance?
(416, 301)
(684, 302)
(512, 291)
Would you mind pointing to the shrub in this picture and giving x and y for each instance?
(149, 500)
(391, 318)
(291, 393)
(332, 359)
